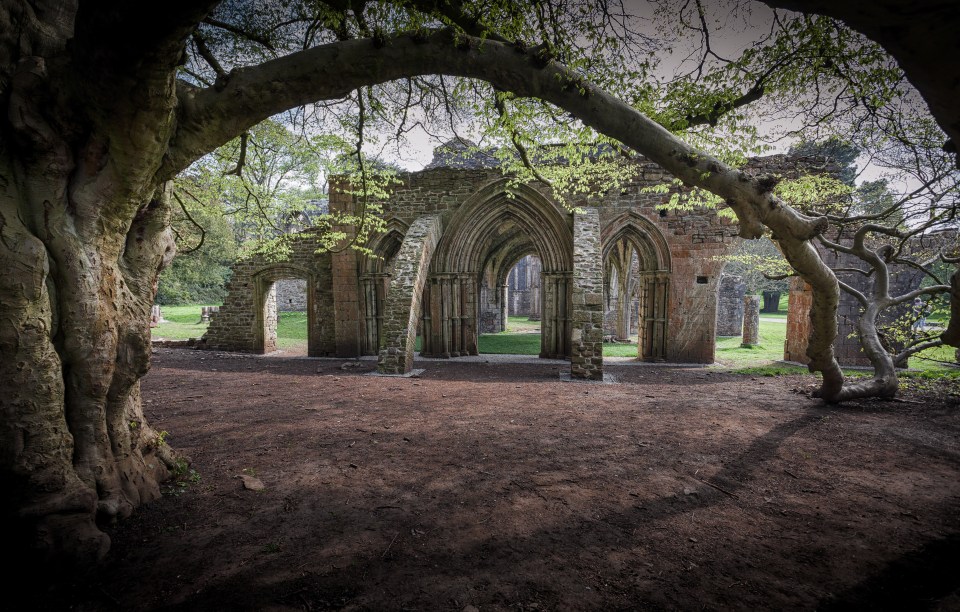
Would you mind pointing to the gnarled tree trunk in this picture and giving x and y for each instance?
(84, 233)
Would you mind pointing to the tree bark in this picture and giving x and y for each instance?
(84, 233)
(951, 336)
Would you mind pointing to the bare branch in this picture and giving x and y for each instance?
(239, 32)
(207, 55)
(203, 232)
(858, 295)
(241, 159)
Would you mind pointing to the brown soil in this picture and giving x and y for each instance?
(500, 487)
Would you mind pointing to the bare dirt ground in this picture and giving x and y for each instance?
(499, 487)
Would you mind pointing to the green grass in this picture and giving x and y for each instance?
(508, 343)
(522, 325)
(183, 323)
(292, 330)
(621, 350)
(768, 349)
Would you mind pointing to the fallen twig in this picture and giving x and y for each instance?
(390, 545)
(721, 489)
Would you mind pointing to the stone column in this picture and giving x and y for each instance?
(586, 339)
(798, 321)
(403, 302)
(751, 320)
(623, 306)
(346, 286)
(504, 306)
(533, 288)
(270, 318)
(730, 305)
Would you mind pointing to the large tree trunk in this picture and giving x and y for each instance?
(75, 342)
(951, 336)
(84, 233)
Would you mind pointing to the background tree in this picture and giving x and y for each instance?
(103, 108)
(206, 248)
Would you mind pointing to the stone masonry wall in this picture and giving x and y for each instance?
(241, 321)
(586, 359)
(411, 269)
(695, 240)
(291, 294)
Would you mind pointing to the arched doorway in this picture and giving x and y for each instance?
(636, 262)
(376, 272)
(466, 292)
(523, 288)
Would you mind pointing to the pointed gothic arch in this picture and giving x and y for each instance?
(634, 247)
(502, 221)
(376, 270)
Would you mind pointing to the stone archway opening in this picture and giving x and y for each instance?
(286, 326)
(636, 264)
(505, 287)
(523, 287)
(377, 270)
(286, 315)
(467, 294)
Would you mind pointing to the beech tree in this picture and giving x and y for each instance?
(101, 113)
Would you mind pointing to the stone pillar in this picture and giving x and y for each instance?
(751, 320)
(504, 306)
(403, 302)
(586, 340)
(156, 316)
(490, 309)
(730, 305)
(623, 306)
(346, 286)
(798, 321)
(534, 271)
(450, 320)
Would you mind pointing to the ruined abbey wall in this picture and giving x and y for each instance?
(449, 284)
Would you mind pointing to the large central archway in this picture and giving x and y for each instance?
(489, 233)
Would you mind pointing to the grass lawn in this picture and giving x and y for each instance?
(768, 349)
(292, 330)
(183, 323)
(509, 343)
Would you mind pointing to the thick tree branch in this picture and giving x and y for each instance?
(211, 116)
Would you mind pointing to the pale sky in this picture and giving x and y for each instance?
(732, 30)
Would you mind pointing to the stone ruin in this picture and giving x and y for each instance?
(730, 305)
(847, 346)
(621, 265)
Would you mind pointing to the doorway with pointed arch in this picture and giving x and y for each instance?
(467, 293)
(636, 265)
